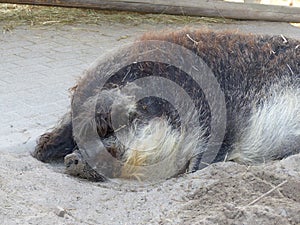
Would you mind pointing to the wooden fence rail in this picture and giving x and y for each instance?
(209, 8)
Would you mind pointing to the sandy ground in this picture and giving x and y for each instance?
(225, 193)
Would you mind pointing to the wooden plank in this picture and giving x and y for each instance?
(208, 8)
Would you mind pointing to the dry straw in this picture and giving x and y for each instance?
(12, 15)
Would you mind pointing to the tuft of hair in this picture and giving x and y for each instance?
(158, 151)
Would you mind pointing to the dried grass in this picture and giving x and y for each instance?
(12, 15)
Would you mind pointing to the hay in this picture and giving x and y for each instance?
(12, 15)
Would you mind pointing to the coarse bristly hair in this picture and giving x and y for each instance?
(273, 130)
(152, 148)
(258, 75)
(158, 151)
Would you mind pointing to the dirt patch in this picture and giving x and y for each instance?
(36, 193)
(238, 196)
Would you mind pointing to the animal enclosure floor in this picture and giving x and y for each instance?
(37, 67)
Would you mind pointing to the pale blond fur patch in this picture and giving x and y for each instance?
(158, 151)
